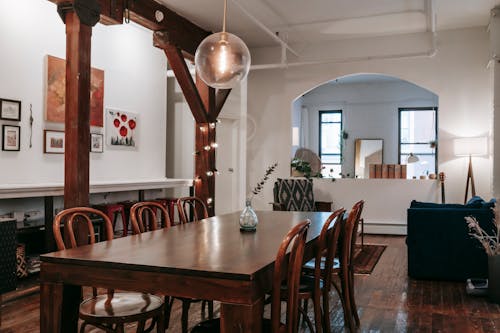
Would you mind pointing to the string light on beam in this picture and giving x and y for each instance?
(214, 145)
(212, 125)
(207, 147)
(210, 173)
(210, 200)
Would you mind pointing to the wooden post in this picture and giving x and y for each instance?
(79, 21)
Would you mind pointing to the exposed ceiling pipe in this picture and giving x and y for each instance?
(264, 28)
(431, 28)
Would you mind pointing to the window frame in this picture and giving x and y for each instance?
(321, 112)
(420, 108)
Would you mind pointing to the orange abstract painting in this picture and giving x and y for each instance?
(56, 92)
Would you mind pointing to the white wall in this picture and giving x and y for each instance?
(369, 111)
(135, 81)
(457, 74)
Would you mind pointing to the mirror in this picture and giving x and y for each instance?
(366, 152)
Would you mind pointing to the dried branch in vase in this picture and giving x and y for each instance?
(260, 185)
(490, 243)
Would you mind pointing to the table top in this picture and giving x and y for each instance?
(212, 247)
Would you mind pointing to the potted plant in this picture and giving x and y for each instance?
(491, 244)
(300, 168)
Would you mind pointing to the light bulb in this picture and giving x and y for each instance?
(210, 173)
(214, 144)
(212, 125)
(209, 200)
(202, 128)
(207, 147)
(222, 60)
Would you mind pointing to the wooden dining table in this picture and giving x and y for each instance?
(210, 259)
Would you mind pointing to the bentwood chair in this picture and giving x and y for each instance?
(343, 267)
(287, 271)
(316, 286)
(144, 216)
(112, 311)
(192, 209)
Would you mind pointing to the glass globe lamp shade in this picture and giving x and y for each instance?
(222, 60)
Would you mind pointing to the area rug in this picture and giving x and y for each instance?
(367, 257)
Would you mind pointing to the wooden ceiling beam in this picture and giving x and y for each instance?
(180, 31)
(186, 82)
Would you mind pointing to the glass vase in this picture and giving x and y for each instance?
(248, 218)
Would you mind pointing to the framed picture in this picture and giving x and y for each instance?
(53, 142)
(11, 138)
(10, 110)
(121, 129)
(96, 143)
(56, 92)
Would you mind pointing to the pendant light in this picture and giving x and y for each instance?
(222, 59)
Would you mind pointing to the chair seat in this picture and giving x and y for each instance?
(213, 326)
(124, 307)
(306, 286)
(311, 263)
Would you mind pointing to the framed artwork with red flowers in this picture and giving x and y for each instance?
(56, 92)
(121, 128)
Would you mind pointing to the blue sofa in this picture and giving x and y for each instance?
(439, 244)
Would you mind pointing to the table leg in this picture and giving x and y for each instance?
(239, 318)
(59, 306)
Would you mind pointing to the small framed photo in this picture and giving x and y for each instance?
(10, 110)
(96, 143)
(11, 138)
(53, 142)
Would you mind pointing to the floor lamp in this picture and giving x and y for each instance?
(476, 146)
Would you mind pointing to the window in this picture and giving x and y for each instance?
(418, 136)
(330, 142)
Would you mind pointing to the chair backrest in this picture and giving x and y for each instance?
(191, 209)
(294, 194)
(350, 233)
(290, 272)
(144, 216)
(74, 215)
(328, 242)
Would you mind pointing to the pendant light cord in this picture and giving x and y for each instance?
(224, 19)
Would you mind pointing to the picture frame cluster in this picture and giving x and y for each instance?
(10, 110)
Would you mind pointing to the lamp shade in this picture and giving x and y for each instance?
(222, 60)
(412, 158)
(473, 146)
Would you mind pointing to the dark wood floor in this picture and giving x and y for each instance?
(387, 302)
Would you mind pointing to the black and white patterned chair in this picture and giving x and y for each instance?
(296, 194)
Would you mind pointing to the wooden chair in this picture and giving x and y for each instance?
(342, 267)
(287, 269)
(108, 312)
(144, 216)
(316, 286)
(191, 209)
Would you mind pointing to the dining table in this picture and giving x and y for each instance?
(209, 259)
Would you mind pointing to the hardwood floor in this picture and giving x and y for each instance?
(387, 302)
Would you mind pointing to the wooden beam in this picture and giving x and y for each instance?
(181, 71)
(205, 137)
(77, 115)
(220, 100)
(181, 32)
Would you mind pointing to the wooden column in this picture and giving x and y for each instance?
(204, 139)
(79, 19)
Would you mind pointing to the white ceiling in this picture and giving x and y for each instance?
(321, 20)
